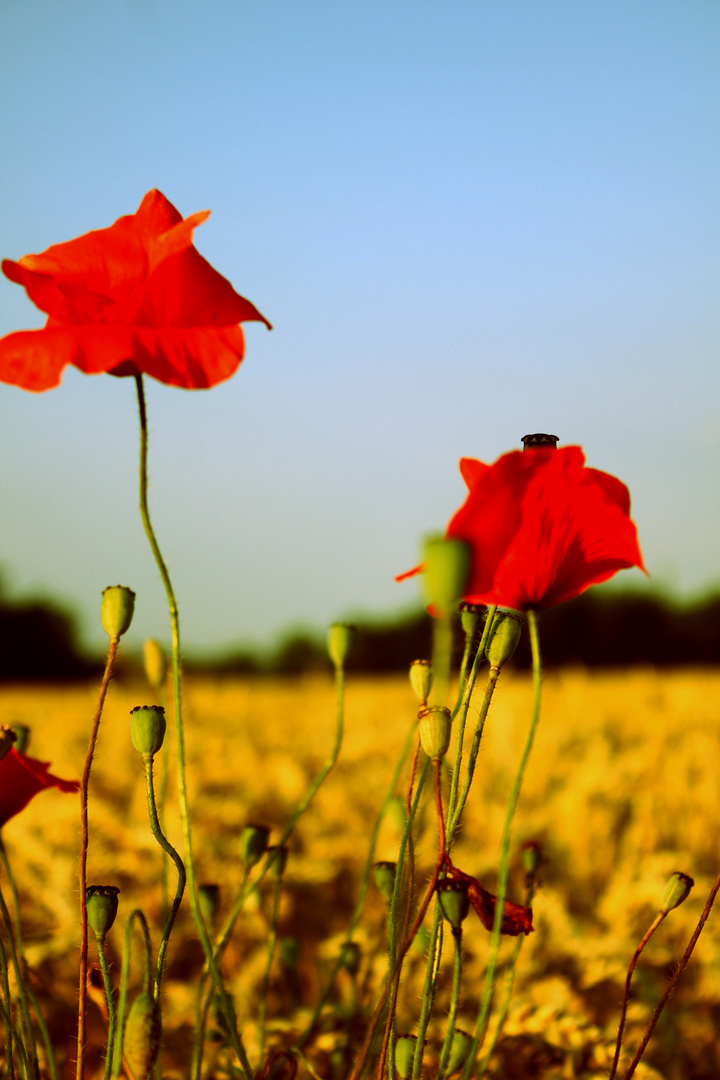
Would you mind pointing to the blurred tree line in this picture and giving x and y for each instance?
(602, 628)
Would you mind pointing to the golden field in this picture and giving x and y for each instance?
(622, 789)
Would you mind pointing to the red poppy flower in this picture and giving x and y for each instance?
(22, 777)
(136, 297)
(542, 527)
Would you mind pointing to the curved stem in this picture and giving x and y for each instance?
(674, 978)
(489, 983)
(223, 997)
(82, 874)
(110, 1005)
(169, 850)
(136, 914)
(626, 996)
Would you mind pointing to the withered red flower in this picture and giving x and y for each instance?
(542, 528)
(135, 297)
(21, 778)
(516, 919)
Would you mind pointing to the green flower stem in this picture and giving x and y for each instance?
(505, 1006)
(428, 997)
(364, 883)
(272, 943)
(442, 656)
(458, 805)
(168, 849)
(112, 1013)
(392, 916)
(503, 873)
(135, 915)
(223, 997)
(465, 690)
(82, 874)
(162, 796)
(9, 1033)
(52, 1067)
(22, 992)
(626, 996)
(454, 1002)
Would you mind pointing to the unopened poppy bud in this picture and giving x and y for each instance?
(277, 858)
(116, 610)
(101, 902)
(503, 639)
(384, 874)
(462, 1043)
(22, 737)
(147, 728)
(421, 677)
(340, 641)
(404, 1055)
(531, 854)
(447, 566)
(434, 729)
(351, 957)
(155, 663)
(8, 739)
(453, 900)
(253, 844)
(539, 441)
(141, 1044)
(470, 616)
(677, 891)
(209, 901)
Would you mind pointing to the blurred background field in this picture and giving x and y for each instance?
(621, 791)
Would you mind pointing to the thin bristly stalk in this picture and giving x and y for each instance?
(428, 996)
(505, 1005)
(223, 997)
(442, 656)
(626, 996)
(673, 979)
(362, 891)
(21, 951)
(9, 1032)
(22, 992)
(456, 813)
(82, 872)
(168, 849)
(272, 943)
(112, 1012)
(136, 914)
(503, 872)
(454, 1003)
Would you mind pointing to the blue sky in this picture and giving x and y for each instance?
(466, 221)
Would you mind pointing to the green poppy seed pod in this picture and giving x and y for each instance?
(116, 610)
(8, 739)
(446, 570)
(434, 729)
(156, 664)
(531, 854)
(470, 616)
(277, 858)
(351, 957)
(539, 440)
(453, 900)
(289, 952)
(340, 641)
(253, 844)
(503, 639)
(421, 676)
(384, 874)
(677, 891)
(141, 1044)
(404, 1054)
(22, 737)
(209, 901)
(147, 728)
(462, 1042)
(101, 902)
